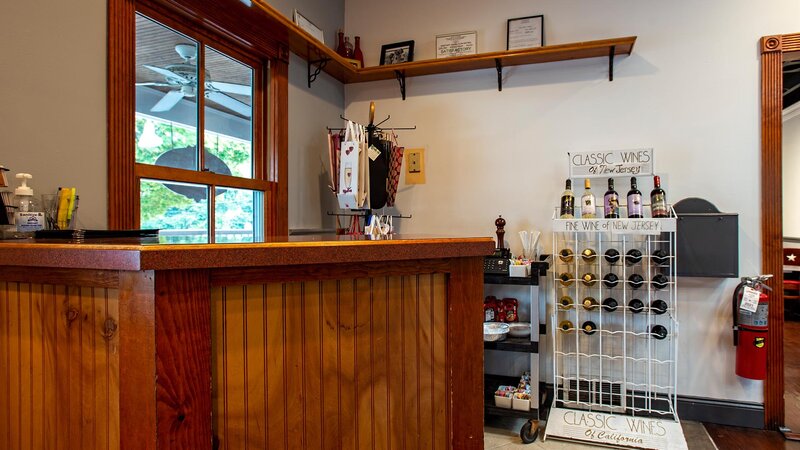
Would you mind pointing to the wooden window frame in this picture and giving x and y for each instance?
(199, 20)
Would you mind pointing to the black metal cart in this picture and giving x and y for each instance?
(528, 345)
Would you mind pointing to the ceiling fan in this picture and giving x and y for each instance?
(183, 77)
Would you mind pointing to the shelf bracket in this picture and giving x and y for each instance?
(401, 79)
(611, 62)
(319, 65)
(499, 65)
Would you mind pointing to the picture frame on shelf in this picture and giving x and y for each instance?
(525, 32)
(308, 26)
(354, 62)
(397, 53)
(456, 44)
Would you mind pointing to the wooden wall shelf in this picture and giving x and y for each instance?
(321, 58)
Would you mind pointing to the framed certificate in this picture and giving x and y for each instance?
(525, 32)
(456, 44)
(308, 26)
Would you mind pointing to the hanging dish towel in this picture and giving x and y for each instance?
(349, 172)
(395, 166)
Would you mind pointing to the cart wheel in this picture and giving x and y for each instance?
(529, 432)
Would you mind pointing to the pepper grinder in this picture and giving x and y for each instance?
(500, 223)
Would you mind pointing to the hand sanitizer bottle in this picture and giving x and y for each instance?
(29, 216)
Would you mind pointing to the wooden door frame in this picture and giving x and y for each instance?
(773, 51)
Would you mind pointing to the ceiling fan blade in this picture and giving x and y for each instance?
(168, 73)
(153, 84)
(232, 88)
(168, 101)
(229, 102)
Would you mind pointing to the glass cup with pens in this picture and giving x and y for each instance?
(61, 209)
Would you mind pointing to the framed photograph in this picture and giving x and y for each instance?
(525, 32)
(308, 26)
(397, 53)
(456, 44)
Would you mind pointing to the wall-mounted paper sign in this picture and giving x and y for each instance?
(612, 163)
(456, 44)
(525, 32)
(308, 26)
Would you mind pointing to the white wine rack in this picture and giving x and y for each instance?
(621, 367)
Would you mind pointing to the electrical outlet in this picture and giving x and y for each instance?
(415, 166)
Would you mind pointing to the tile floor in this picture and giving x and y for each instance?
(503, 434)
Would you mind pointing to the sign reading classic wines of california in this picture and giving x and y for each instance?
(615, 430)
(612, 163)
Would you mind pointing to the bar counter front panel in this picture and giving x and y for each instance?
(382, 353)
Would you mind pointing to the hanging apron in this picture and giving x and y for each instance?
(395, 165)
(363, 169)
(378, 171)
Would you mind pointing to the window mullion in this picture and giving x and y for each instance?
(212, 219)
(201, 106)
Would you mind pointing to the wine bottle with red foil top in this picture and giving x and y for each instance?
(634, 201)
(611, 201)
(658, 199)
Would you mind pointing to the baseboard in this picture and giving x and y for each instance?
(722, 412)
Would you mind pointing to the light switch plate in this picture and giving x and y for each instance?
(415, 165)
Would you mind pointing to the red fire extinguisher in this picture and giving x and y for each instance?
(750, 330)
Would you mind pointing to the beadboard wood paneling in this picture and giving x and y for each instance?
(59, 367)
(352, 363)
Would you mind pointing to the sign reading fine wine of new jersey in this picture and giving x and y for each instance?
(614, 430)
(616, 226)
(612, 163)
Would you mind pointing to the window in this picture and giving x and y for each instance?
(197, 131)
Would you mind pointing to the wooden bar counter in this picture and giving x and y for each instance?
(318, 342)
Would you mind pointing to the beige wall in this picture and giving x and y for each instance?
(53, 91)
(791, 180)
(53, 97)
(690, 90)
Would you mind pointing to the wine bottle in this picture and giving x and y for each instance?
(565, 326)
(566, 279)
(636, 306)
(340, 47)
(588, 255)
(635, 281)
(589, 303)
(348, 47)
(659, 332)
(634, 201)
(587, 201)
(357, 53)
(610, 280)
(658, 199)
(612, 256)
(658, 307)
(565, 302)
(660, 257)
(565, 255)
(610, 304)
(589, 327)
(611, 201)
(589, 279)
(633, 256)
(567, 202)
(660, 281)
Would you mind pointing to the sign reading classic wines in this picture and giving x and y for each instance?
(615, 430)
(611, 163)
